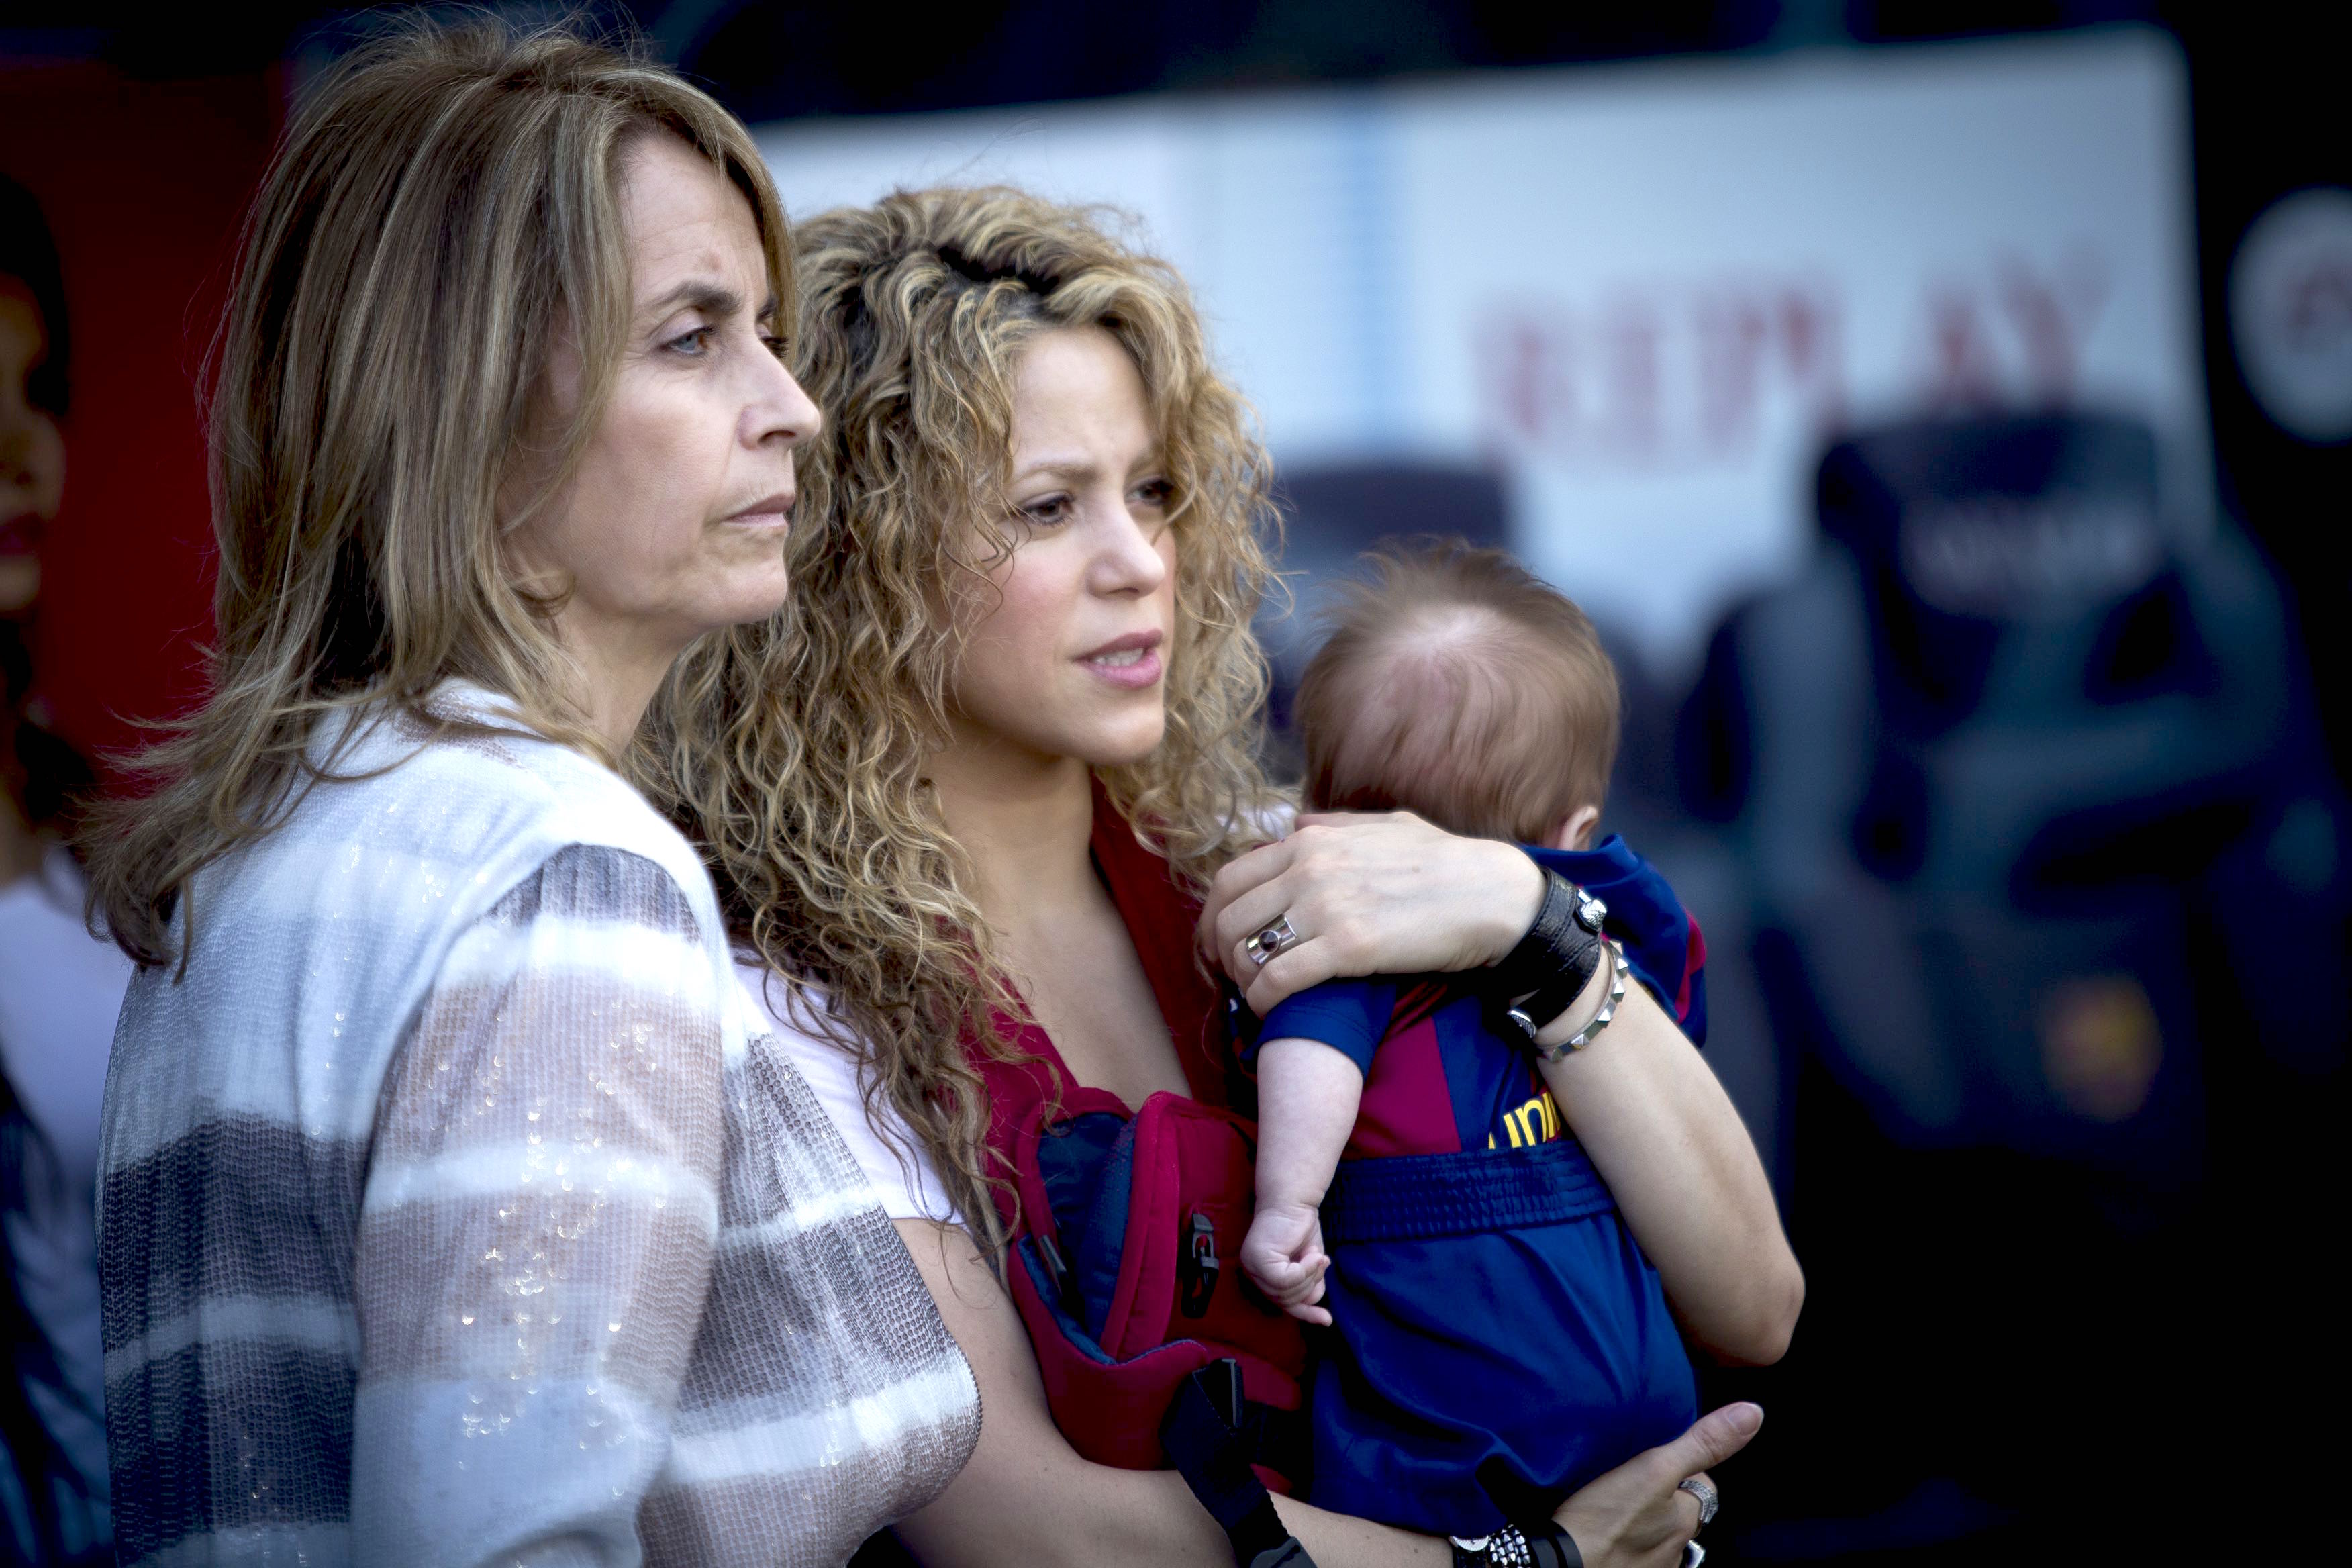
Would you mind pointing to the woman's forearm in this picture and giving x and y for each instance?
(1667, 1139)
(1027, 1497)
(1340, 1539)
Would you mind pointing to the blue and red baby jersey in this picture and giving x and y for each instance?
(1498, 1338)
(1440, 1084)
(1661, 939)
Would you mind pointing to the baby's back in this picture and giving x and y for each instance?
(1499, 1337)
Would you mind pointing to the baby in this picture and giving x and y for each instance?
(1498, 1338)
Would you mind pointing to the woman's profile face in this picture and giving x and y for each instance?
(1068, 658)
(674, 523)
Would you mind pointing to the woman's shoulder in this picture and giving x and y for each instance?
(463, 787)
(800, 1027)
(466, 740)
(414, 834)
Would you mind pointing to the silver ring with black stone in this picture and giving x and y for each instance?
(1276, 938)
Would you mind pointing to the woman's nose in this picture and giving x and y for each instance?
(779, 410)
(1130, 561)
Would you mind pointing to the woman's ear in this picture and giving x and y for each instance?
(1575, 830)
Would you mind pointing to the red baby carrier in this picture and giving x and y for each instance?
(1124, 1239)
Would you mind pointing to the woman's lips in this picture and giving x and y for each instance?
(20, 535)
(1130, 662)
(769, 511)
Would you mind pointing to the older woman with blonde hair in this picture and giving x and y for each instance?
(450, 1210)
(970, 794)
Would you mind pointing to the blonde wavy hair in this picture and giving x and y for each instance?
(443, 213)
(799, 747)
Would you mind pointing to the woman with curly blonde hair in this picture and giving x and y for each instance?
(1017, 667)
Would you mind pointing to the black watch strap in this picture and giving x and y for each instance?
(1529, 964)
(1555, 961)
(1556, 1548)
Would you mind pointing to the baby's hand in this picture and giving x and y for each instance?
(1283, 1254)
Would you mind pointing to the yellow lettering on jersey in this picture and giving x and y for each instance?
(1535, 1121)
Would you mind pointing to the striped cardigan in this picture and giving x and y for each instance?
(449, 1212)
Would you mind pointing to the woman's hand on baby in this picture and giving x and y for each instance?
(1637, 1516)
(1385, 894)
(1284, 1255)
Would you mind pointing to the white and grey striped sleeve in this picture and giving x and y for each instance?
(538, 1227)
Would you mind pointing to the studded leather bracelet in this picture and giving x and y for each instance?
(1600, 1020)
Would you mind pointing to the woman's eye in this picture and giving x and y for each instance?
(776, 345)
(1155, 493)
(693, 344)
(1051, 509)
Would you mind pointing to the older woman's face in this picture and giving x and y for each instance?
(32, 455)
(674, 523)
(1068, 658)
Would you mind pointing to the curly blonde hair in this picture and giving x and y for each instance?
(796, 751)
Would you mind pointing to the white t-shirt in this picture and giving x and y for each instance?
(909, 1184)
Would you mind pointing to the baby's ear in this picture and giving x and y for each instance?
(1574, 831)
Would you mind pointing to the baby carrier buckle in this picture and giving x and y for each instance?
(1197, 1276)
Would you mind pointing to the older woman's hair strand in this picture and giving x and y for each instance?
(443, 214)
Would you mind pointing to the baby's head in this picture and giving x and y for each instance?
(1455, 685)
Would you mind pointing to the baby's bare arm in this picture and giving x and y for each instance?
(1307, 1095)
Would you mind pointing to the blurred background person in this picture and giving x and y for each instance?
(59, 987)
(1971, 384)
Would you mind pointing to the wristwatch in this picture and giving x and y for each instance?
(1511, 1547)
(1554, 962)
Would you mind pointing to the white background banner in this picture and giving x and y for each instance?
(1645, 293)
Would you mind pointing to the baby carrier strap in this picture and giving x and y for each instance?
(1207, 1438)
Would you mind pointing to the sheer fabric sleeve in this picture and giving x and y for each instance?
(537, 1229)
(905, 1181)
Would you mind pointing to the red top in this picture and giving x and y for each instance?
(1160, 918)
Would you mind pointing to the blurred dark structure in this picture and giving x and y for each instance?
(2015, 820)
(2049, 900)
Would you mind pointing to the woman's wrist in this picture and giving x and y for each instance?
(1512, 1547)
(1580, 1022)
(1550, 969)
(1519, 884)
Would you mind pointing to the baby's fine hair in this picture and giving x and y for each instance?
(1458, 685)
